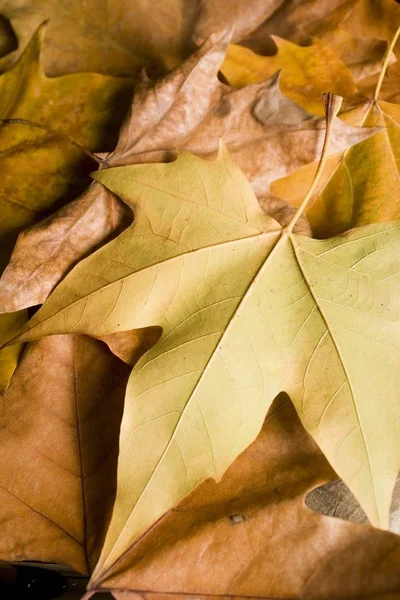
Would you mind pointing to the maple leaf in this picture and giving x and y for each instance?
(307, 72)
(236, 329)
(59, 439)
(251, 535)
(255, 122)
(359, 186)
(115, 38)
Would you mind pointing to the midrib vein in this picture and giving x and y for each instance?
(80, 456)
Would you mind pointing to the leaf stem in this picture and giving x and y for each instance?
(91, 155)
(332, 104)
(385, 64)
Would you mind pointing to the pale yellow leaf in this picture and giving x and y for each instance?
(247, 311)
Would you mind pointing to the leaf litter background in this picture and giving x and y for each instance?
(249, 535)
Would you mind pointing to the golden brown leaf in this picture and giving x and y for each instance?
(239, 17)
(359, 186)
(9, 357)
(297, 20)
(256, 21)
(250, 534)
(59, 445)
(307, 72)
(130, 345)
(38, 169)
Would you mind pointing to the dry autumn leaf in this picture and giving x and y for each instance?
(359, 186)
(297, 20)
(307, 72)
(250, 534)
(44, 253)
(211, 276)
(359, 35)
(59, 446)
(239, 17)
(116, 37)
(256, 122)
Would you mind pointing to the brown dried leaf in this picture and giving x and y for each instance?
(46, 252)
(115, 37)
(358, 187)
(59, 434)
(9, 357)
(266, 133)
(283, 212)
(297, 20)
(166, 112)
(250, 534)
(362, 56)
(240, 17)
(130, 345)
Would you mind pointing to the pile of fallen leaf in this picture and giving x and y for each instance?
(220, 329)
